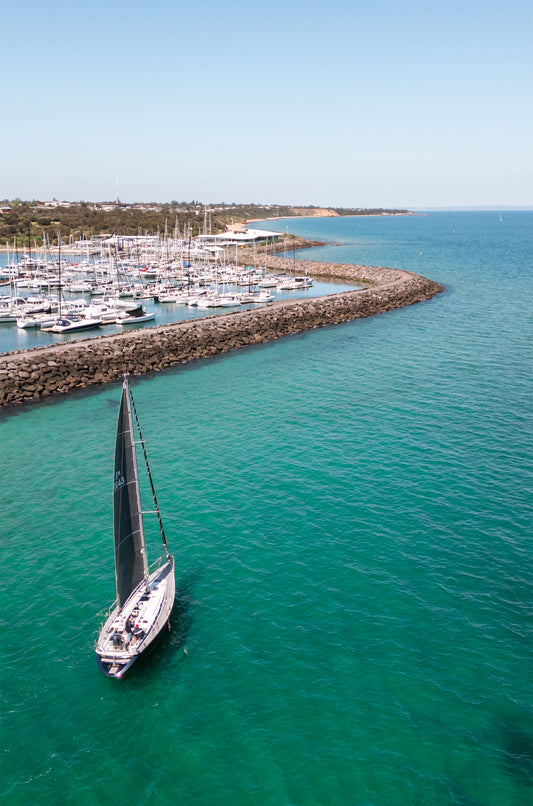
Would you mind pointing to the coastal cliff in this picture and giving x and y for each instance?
(58, 369)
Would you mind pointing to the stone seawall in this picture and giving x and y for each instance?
(372, 275)
(61, 368)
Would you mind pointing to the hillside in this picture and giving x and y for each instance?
(24, 221)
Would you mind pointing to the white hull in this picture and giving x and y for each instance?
(135, 320)
(259, 297)
(25, 324)
(36, 321)
(130, 630)
(71, 325)
(288, 284)
(178, 299)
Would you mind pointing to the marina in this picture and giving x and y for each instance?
(167, 282)
(34, 374)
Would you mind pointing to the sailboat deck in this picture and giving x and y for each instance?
(130, 629)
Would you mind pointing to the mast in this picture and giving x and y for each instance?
(59, 269)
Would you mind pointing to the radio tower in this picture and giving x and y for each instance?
(116, 188)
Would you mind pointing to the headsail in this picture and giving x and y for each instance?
(130, 555)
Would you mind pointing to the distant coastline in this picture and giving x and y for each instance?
(25, 224)
(330, 213)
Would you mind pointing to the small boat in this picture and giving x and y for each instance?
(75, 320)
(227, 301)
(145, 596)
(70, 324)
(290, 283)
(136, 318)
(256, 297)
(7, 318)
(34, 321)
(83, 286)
(178, 299)
(110, 313)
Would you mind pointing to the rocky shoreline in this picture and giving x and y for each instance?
(42, 372)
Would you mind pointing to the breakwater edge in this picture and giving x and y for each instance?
(42, 372)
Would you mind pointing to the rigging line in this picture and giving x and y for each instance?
(163, 537)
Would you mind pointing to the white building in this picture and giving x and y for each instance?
(243, 237)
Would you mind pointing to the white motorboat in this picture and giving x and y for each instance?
(7, 317)
(66, 324)
(256, 297)
(294, 283)
(38, 320)
(178, 299)
(228, 301)
(136, 319)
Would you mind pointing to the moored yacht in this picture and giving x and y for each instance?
(136, 318)
(65, 324)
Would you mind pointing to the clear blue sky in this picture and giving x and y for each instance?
(381, 103)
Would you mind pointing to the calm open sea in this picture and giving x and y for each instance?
(351, 514)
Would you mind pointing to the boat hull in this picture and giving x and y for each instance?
(131, 629)
(71, 325)
(134, 320)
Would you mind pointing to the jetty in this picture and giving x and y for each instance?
(58, 369)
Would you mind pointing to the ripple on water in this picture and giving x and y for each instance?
(350, 515)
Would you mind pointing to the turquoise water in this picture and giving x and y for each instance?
(350, 511)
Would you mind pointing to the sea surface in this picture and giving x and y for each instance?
(351, 515)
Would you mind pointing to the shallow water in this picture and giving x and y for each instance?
(350, 511)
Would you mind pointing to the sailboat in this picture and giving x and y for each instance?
(67, 324)
(145, 596)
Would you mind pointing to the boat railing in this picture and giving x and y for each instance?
(157, 564)
(103, 615)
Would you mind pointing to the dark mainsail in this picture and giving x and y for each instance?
(130, 558)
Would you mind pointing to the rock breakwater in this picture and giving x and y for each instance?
(58, 369)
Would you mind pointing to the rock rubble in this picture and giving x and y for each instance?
(58, 369)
